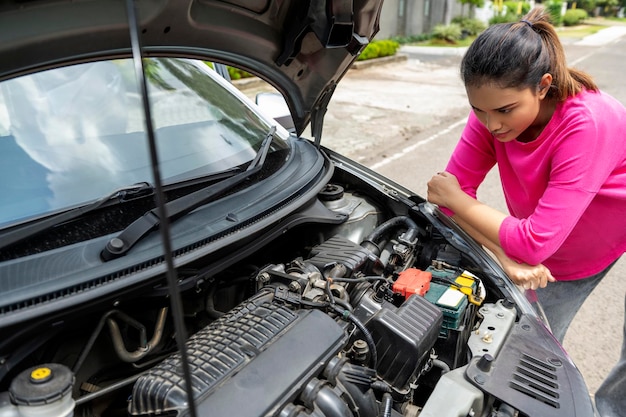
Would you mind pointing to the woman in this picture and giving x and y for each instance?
(560, 146)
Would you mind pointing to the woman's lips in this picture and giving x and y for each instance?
(501, 136)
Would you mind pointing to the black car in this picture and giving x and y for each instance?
(167, 249)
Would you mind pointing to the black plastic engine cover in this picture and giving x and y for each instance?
(404, 338)
(248, 363)
(338, 249)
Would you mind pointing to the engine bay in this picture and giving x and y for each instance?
(378, 315)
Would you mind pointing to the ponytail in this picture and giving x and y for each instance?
(517, 55)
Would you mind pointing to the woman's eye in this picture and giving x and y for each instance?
(505, 111)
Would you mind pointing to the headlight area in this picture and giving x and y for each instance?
(379, 315)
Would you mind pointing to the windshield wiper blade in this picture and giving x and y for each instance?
(122, 243)
(259, 159)
(20, 233)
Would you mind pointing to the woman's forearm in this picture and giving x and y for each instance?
(444, 190)
(483, 224)
(485, 221)
(527, 276)
(493, 246)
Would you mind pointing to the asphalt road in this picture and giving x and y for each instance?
(404, 118)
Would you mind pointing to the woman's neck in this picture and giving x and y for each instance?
(546, 110)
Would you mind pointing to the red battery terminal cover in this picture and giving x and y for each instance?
(412, 281)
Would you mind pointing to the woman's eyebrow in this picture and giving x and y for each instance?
(505, 107)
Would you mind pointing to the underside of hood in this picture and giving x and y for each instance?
(301, 47)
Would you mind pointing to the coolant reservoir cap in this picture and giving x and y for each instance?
(41, 384)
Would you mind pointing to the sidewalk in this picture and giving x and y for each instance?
(603, 36)
(433, 50)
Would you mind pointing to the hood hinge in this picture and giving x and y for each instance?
(318, 113)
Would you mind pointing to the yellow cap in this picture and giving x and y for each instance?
(40, 374)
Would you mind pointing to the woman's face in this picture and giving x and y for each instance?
(510, 113)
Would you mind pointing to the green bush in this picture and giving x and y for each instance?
(402, 40)
(587, 5)
(470, 26)
(378, 49)
(554, 8)
(387, 47)
(371, 51)
(503, 18)
(234, 73)
(512, 7)
(574, 16)
(449, 33)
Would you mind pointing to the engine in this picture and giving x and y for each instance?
(312, 335)
(372, 319)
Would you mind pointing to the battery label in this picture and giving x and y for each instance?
(451, 298)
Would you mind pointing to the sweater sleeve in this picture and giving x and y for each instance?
(473, 157)
(536, 238)
(580, 163)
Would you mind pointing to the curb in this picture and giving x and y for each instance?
(434, 50)
(399, 57)
(254, 82)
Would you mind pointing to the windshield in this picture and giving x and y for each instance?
(71, 135)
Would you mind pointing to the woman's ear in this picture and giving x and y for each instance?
(544, 85)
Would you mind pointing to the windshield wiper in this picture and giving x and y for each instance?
(122, 243)
(20, 233)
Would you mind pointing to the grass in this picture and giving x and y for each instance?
(579, 31)
(441, 42)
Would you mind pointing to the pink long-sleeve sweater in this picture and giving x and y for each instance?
(565, 191)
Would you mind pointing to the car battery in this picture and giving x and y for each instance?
(450, 301)
(457, 294)
(452, 292)
(465, 281)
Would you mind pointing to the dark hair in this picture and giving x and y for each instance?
(517, 55)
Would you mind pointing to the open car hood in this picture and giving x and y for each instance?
(301, 47)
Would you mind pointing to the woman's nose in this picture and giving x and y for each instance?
(493, 123)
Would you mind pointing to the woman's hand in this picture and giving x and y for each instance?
(442, 188)
(529, 277)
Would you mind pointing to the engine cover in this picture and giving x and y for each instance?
(404, 337)
(232, 360)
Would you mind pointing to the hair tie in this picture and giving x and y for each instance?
(530, 25)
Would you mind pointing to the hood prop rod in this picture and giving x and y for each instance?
(174, 291)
